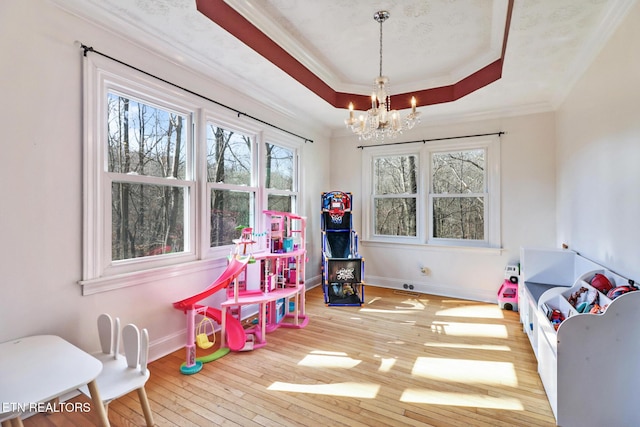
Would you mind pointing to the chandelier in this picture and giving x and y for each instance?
(380, 120)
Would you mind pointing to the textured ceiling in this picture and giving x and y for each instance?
(426, 43)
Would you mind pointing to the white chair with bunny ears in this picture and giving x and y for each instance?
(121, 375)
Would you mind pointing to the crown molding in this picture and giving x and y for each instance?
(258, 18)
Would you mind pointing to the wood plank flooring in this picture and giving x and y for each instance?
(402, 359)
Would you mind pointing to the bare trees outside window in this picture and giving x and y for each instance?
(279, 178)
(395, 195)
(441, 193)
(169, 177)
(230, 172)
(458, 194)
(146, 163)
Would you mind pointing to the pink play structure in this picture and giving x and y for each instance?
(271, 279)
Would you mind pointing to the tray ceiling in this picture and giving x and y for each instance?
(426, 44)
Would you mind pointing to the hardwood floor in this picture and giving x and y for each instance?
(400, 359)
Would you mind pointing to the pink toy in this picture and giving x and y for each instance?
(235, 335)
(271, 280)
(508, 295)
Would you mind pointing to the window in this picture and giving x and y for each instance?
(444, 194)
(231, 183)
(148, 173)
(169, 177)
(395, 195)
(458, 194)
(280, 182)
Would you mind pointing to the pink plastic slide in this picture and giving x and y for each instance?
(235, 334)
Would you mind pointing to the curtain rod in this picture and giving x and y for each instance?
(240, 113)
(424, 141)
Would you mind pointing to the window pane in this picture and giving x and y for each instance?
(459, 172)
(279, 173)
(145, 140)
(395, 175)
(228, 156)
(230, 210)
(396, 216)
(458, 218)
(280, 203)
(147, 220)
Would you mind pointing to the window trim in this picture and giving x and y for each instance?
(284, 141)
(102, 75)
(253, 132)
(423, 207)
(415, 196)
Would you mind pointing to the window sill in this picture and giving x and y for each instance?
(110, 283)
(430, 247)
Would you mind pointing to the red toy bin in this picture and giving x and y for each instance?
(508, 295)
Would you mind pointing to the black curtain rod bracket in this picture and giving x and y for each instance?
(86, 49)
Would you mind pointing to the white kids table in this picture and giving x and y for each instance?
(40, 368)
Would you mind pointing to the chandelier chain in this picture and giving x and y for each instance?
(381, 21)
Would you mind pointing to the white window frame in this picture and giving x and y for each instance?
(99, 274)
(424, 226)
(284, 141)
(369, 211)
(228, 123)
(101, 77)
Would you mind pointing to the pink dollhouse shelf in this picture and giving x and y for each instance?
(275, 281)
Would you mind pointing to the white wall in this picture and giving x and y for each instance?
(41, 182)
(528, 210)
(598, 132)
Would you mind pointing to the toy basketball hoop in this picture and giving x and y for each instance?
(336, 215)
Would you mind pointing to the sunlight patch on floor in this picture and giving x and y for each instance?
(470, 329)
(469, 346)
(328, 359)
(433, 397)
(466, 371)
(475, 311)
(386, 364)
(348, 389)
(412, 304)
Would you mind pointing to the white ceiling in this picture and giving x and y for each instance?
(426, 43)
